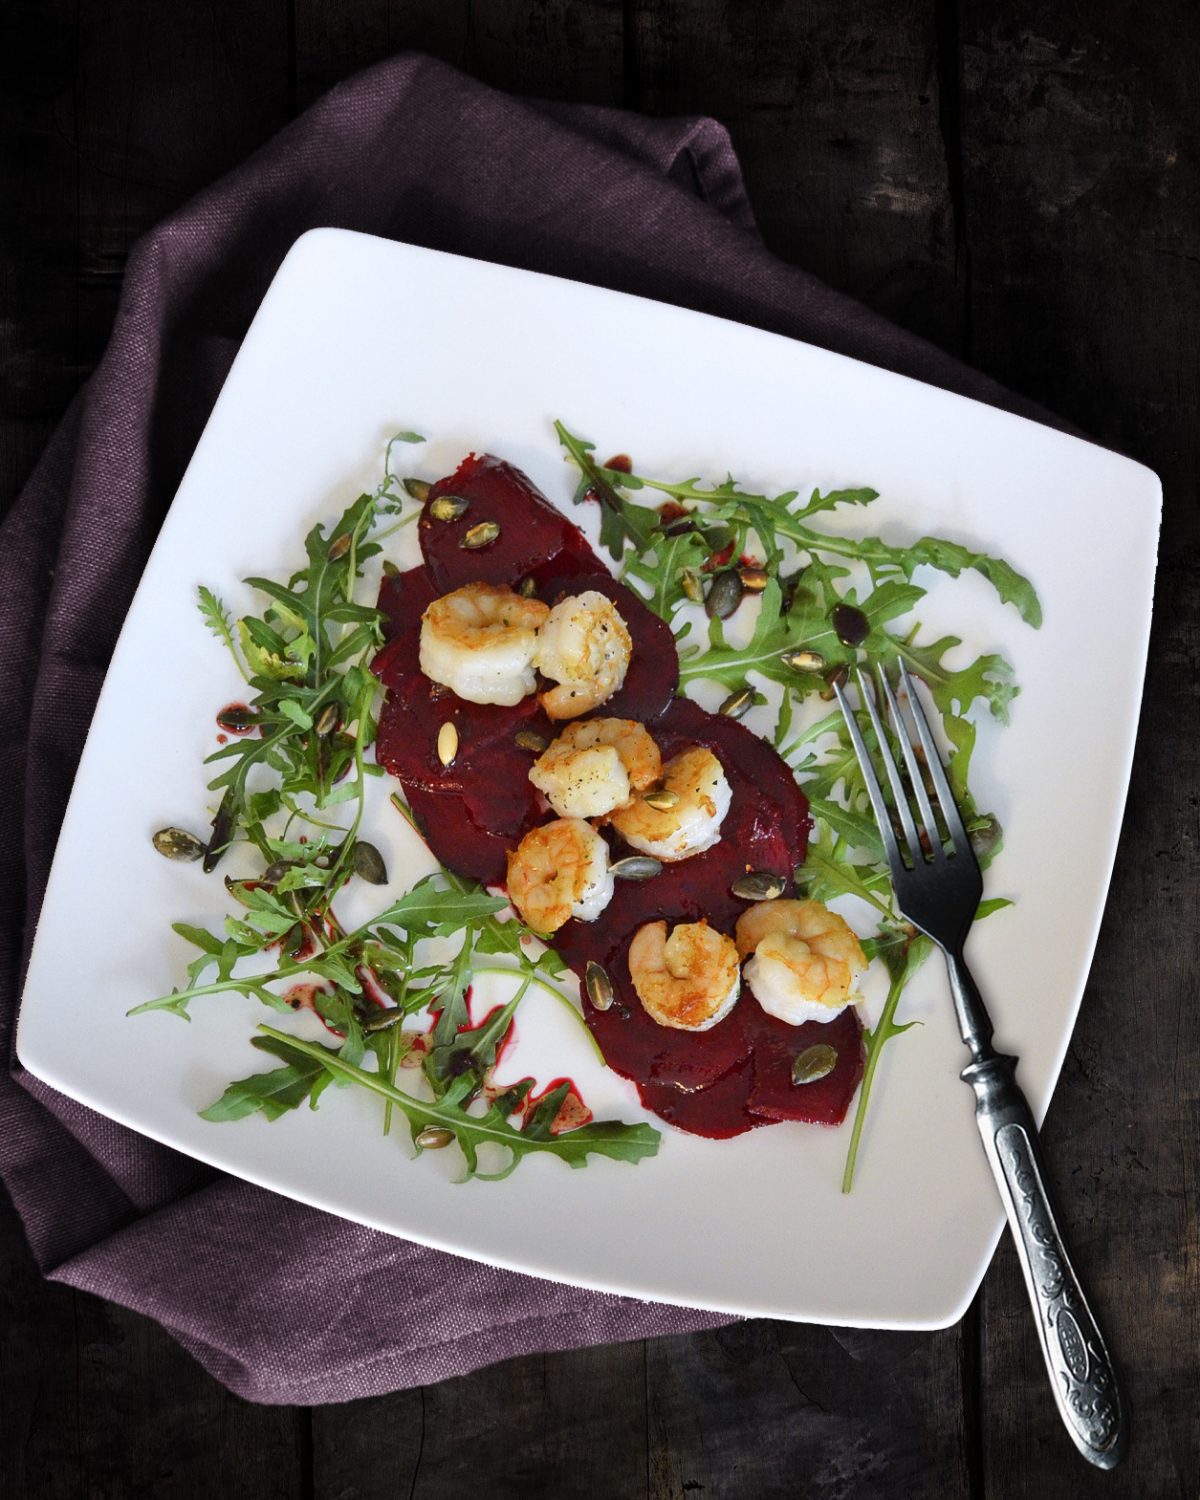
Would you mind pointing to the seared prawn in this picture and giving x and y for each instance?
(689, 980)
(595, 766)
(480, 642)
(805, 959)
(557, 872)
(584, 647)
(699, 795)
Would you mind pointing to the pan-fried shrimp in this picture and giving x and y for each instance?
(805, 959)
(480, 642)
(689, 980)
(559, 871)
(693, 823)
(595, 765)
(585, 647)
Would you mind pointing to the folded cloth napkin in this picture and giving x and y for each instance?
(414, 151)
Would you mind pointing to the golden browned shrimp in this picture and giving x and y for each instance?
(585, 647)
(559, 871)
(693, 822)
(480, 642)
(805, 959)
(689, 980)
(594, 766)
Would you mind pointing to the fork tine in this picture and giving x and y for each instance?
(916, 780)
(916, 854)
(874, 790)
(954, 822)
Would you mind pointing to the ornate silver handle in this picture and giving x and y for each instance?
(1081, 1373)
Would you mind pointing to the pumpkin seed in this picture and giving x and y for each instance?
(222, 834)
(390, 570)
(482, 535)
(178, 843)
(237, 718)
(814, 1063)
(339, 546)
(987, 837)
(368, 863)
(384, 1020)
(418, 489)
(724, 596)
(434, 1138)
(851, 624)
(738, 704)
(758, 885)
(661, 800)
(754, 580)
(598, 985)
(804, 661)
(327, 720)
(527, 588)
(528, 740)
(692, 585)
(447, 743)
(636, 867)
(275, 872)
(448, 508)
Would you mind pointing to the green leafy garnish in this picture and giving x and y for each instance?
(696, 530)
(293, 792)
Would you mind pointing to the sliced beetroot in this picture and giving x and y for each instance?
(776, 1045)
(717, 1083)
(532, 531)
(653, 677)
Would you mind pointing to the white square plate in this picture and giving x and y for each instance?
(359, 336)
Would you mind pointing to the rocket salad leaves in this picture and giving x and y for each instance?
(293, 792)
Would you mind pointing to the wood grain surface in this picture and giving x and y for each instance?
(1020, 184)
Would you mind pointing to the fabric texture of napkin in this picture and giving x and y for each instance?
(413, 151)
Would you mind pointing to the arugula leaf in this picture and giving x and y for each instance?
(271, 1094)
(613, 1139)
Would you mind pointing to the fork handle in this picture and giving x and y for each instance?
(1082, 1376)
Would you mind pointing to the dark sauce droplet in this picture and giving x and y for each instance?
(851, 624)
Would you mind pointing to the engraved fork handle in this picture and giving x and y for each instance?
(1082, 1376)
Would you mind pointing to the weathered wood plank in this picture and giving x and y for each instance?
(835, 116)
(1083, 239)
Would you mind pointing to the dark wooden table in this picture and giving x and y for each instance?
(1023, 187)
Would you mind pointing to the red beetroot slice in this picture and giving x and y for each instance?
(776, 1045)
(532, 531)
(467, 848)
(719, 1112)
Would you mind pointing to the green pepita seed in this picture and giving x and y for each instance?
(448, 508)
(447, 743)
(339, 546)
(754, 580)
(418, 489)
(327, 720)
(383, 1020)
(636, 867)
(434, 1138)
(814, 1063)
(178, 843)
(368, 863)
(758, 885)
(738, 704)
(390, 570)
(692, 585)
(528, 740)
(482, 535)
(724, 596)
(661, 800)
(527, 588)
(804, 661)
(598, 985)
(275, 872)
(237, 718)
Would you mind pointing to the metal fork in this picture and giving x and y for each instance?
(938, 890)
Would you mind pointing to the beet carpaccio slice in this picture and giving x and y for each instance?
(715, 1083)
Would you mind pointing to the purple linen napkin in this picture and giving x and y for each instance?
(413, 151)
